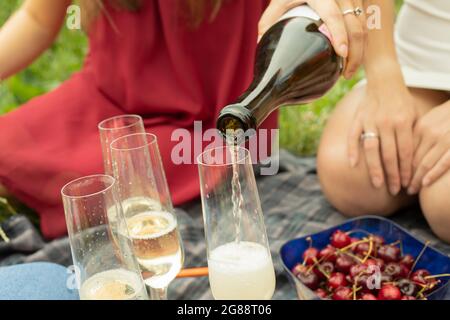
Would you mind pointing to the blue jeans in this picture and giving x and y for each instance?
(35, 281)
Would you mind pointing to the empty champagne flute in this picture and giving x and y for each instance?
(105, 266)
(116, 127)
(239, 260)
(148, 211)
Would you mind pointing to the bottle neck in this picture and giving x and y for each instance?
(236, 117)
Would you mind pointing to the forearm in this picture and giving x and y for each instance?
(29, 32)
(380, 59)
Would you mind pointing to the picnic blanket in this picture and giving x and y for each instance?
(293, 206)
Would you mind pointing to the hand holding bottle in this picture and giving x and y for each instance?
(348, 29)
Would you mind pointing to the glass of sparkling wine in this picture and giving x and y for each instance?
(148, 211)
(105, 266)
(239, 260)
(116, 127)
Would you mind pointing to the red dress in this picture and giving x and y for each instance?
(149, 63)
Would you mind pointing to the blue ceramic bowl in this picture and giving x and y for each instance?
(433, 260)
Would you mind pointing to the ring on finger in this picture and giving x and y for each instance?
(356, 12)
(370, 135)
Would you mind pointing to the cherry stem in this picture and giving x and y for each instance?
(324, 273)
(352, 255)
(309, 239)
(351, 245)
(395, 243)
(437, 276)
(421, 291)
(316, 263)
(370, 250)
(418, 258)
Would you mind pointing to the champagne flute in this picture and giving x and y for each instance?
(101, 250)
(116, 127)
(239, 260)
(148, 211)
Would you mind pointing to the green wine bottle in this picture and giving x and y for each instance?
(295, 64)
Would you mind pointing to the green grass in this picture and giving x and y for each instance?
(54, 66)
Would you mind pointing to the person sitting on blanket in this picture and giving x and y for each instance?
(171, 61)
(387, 144)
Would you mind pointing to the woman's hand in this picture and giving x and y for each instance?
(348, 32)
(387, 113)
(432, 145)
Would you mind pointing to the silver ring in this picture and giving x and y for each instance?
(356, 12)
(370, 135)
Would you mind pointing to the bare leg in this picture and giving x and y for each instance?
(435, 202)
(349, 189)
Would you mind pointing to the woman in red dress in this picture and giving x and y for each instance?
(172, 61)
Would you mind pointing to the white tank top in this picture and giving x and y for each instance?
(436, 8)
(423, 43)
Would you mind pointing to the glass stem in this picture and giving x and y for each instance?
(158, 294)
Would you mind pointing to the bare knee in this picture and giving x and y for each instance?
(435, 204)
(349, 189)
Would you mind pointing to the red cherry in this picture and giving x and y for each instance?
(408, 298)
(386, 278)
(357, 269)
(299, 268)
(340, 239)
(328, 254)
(354, 240)
(376, 262)
(342, 293)
(379, 241)
(368, 296)
(405, 271)
(389, 292)
(337, 280)
(394, 270)
(389, 253)
(344, 263)
(310, 255)
(407, 260)
(309, 279)
(325, 268)
(407, 287)
(419, 276)
(321, 293)
(362, 282)
(362, 249)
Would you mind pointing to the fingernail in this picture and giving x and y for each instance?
(412, 191)
(395, 189)
(426, 182)
(405, 182)
(377, 182)
(343, 49)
